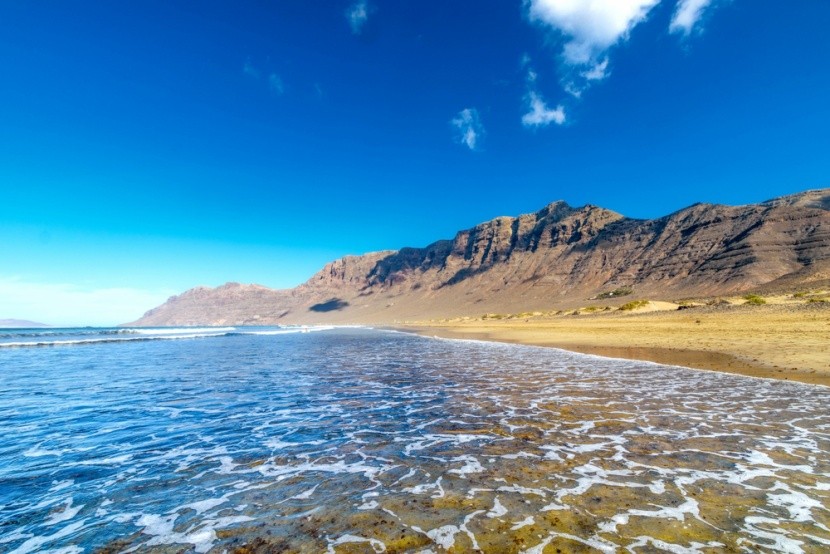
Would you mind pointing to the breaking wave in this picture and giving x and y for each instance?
(83, 336)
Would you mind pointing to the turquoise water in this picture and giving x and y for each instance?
(355, 440)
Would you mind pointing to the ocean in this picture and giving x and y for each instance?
(360, 440)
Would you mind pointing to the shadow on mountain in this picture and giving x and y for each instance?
(464, 273)
(329, 305)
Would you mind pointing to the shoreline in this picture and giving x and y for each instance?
(771, 343)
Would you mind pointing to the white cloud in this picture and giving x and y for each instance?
(358, 15)
(275, 83)
(540, 115)
(469, 128)
(66, 304)
(572, 89)
(590, 29)
(591, 26)
(687, 14)
(598, 72)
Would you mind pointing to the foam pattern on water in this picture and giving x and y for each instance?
(363, 441)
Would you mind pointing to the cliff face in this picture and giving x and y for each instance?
(556, 257)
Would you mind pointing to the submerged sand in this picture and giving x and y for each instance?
(789, 342)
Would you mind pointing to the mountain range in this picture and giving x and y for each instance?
(555, 258)
(20, 324)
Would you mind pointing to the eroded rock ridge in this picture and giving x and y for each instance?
(554, 258)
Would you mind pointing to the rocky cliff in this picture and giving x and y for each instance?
(555, 258)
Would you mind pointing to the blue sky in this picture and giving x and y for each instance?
(148, 147)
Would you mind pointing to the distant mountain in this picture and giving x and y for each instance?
(20, 324)
(557, 257)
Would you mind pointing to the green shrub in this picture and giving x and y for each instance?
(817, 300)
(621, 291)
(800, 294)
(633, 305)
(754, 300)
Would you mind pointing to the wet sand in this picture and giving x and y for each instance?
(780, 342)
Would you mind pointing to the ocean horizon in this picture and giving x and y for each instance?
(359, 440)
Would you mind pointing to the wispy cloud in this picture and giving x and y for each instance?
(273, 80)
(687, 15)
(358, 15)
(468, 127)
(598, 72)
(70, 304)
(539, 114)
(249, 70)
(275, 83)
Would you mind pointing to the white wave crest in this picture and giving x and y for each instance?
(289, 330)
(180, 330)
(73, 342)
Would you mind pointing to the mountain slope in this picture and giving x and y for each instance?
(556, 257)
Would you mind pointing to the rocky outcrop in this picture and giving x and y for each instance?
(556, 257)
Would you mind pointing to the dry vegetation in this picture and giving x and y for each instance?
(783, 335)
(798, 298)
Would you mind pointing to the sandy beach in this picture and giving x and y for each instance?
(780, 341)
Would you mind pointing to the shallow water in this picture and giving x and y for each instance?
(365, 441)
